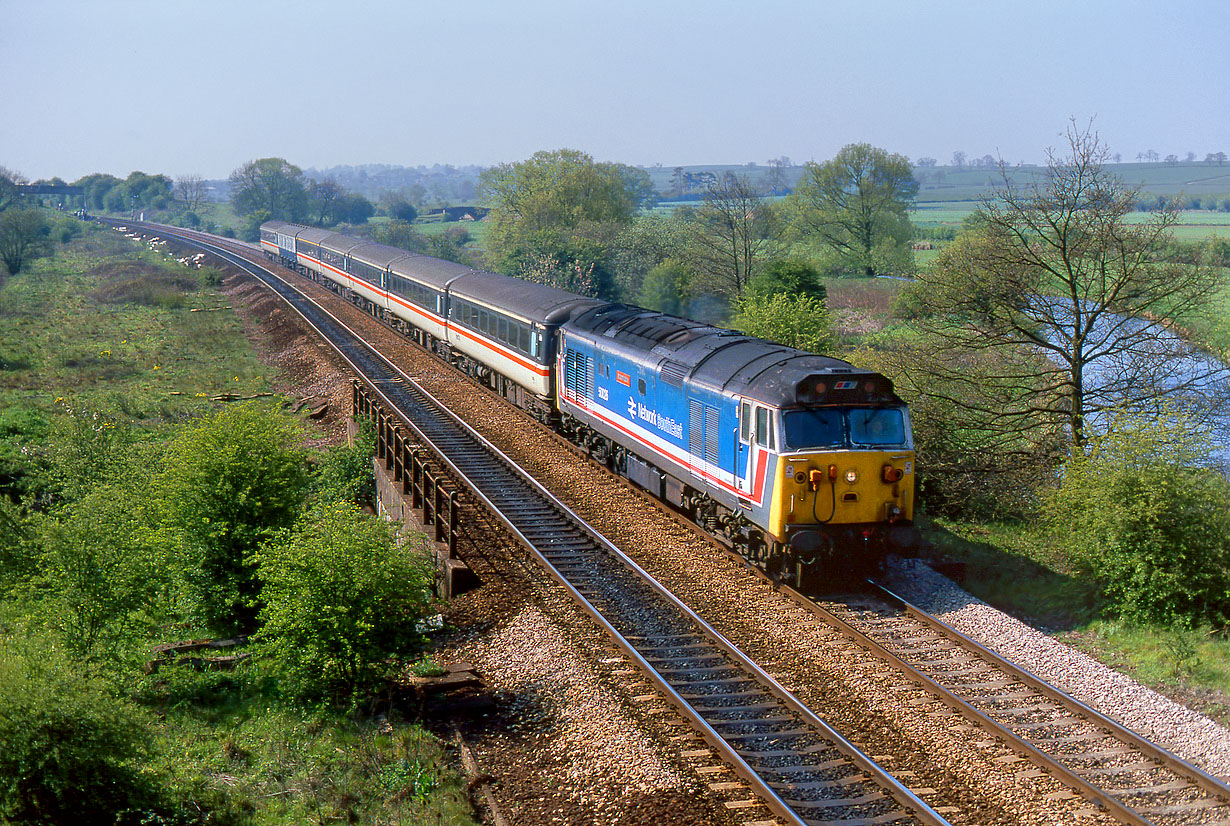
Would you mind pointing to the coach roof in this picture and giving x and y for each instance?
(537, 302)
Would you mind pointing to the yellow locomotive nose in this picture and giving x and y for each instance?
(862, 489)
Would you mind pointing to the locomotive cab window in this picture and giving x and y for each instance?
(640, 385)
(874, 426)
(764, 428)
(745, 422)
(816, 427)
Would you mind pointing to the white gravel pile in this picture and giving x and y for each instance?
(606, 751)
(1188, 734)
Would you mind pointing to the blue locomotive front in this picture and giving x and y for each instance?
(796, 459)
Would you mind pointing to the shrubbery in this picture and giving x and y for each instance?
(795, 320)
(342, 598)
(71, 750)
(230, 483)
(1138, 513)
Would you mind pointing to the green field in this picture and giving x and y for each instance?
(1193, 224)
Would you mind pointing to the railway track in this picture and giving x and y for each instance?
(1137, 781)
(751, 720)
(795, 763)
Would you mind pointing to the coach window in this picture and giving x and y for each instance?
(502, 331)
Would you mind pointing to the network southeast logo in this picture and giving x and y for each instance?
(663, 423)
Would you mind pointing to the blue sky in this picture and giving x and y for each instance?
(92, 86)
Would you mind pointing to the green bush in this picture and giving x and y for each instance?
(97, 572)
(792, 276)
(665, 287)
(795, 320)
(343, 596)
(72, 751)
(1138, 513)
(345, 473)
(229, 483)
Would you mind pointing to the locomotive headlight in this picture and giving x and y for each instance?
(852, 476)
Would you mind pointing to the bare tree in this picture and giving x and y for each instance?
(729, 235)
(324, 197)
(23, 237)
(9, 181)
(1055, 269)
(777, 174)
(191, 190)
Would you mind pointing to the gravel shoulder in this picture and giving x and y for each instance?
(1183, 731)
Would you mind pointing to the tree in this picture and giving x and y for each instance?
(228, 484)
(343, 598)
(400, 209)
(353, 208)
(324, 197)
(642, 245)
(729, 235)
(858, 206)
(1054, 267)
(148, 191)
(272, 184)
(23, 237)
(777, 183)
(794, 320)
(399, 233)
(559, 204)
(665, 288)
(95, 188)
(9, 181)
(788, 275)
(576, 275)
(958, 159)
(191, 190)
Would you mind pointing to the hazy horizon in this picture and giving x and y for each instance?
(93, 87)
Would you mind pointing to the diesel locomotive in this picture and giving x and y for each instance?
(803, 463)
